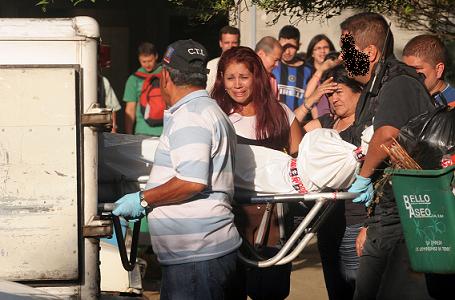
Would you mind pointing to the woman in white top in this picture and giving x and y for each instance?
(242, 89)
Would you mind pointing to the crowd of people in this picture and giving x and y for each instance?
(272, 96)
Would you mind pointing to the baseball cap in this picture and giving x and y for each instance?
(186, 56)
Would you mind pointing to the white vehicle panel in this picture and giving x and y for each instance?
(38, 174)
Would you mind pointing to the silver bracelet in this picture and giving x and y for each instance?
(306, 106)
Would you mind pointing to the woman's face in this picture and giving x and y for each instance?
(320, 50)
(344, 101)
(238, 82)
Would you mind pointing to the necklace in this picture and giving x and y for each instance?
(342, 126)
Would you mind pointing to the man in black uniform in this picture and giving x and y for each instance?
(393, 95)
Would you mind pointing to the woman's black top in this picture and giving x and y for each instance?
(354, 213)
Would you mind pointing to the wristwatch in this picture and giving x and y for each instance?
(143, 202)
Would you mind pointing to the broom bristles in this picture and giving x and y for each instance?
(399, 157)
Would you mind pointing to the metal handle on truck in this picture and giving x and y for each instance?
(128, 263)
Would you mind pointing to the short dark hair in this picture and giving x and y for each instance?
(228, 30)
(180, 78)
(340, 75)
(289, 32)
(369, 28)
(333, 55)
(427, 47)
(267, 44)
(147, 49)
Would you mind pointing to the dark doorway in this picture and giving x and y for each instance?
(124, 25)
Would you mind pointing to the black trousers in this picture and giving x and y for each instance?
(271, 283)
(385, 271)
(440, 285)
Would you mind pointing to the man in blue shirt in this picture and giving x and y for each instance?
(428, 55)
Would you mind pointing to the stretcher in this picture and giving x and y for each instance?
(262, 176)
(324, 203)
(325, 162)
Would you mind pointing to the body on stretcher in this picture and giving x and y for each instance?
(325, 162)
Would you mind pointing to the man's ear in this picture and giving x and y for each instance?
(164, 77)
(261, 53)
(440, 67)
(373, 53)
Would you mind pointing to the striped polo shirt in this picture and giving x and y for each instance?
(446, 96)
(292, 82)
(197, 145)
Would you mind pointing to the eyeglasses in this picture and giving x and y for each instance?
(321, 48)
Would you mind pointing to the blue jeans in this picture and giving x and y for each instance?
(349, 261)
(206, 280)
(330, 235)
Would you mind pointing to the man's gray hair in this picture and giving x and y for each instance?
(267, 44)
(180, 78)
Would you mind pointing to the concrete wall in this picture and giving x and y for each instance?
(255, 24)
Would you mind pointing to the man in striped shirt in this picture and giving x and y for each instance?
(190, 189)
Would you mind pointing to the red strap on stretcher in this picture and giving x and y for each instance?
(295, 179)
(358, 154)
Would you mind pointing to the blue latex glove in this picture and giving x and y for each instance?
(364, 187)
(129, 207)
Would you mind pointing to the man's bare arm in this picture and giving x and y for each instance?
(114, 122)
(173, 192)
(375, 155)
(130, 117)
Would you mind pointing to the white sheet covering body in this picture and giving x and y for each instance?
(325, 161)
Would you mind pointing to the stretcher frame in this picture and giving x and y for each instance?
(324, 202)
(287, 253)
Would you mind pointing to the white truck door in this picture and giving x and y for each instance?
(40, 170)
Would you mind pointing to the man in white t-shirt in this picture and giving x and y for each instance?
(229, 37)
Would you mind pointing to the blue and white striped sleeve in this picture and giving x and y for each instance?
(190, 149)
